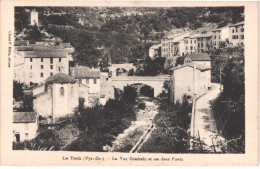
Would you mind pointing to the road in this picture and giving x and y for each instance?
(205, 124)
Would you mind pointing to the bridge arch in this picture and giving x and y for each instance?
(143, 89)
(155, 82)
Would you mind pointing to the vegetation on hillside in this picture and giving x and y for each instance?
(101, 124)
(229, 107)
(122, 34)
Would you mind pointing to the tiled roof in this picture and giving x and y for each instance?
(43, 54)
(199, 57)
(24, 117)
(198, 66)
(81, 72)
(61, 78)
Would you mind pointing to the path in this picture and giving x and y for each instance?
(205, 125)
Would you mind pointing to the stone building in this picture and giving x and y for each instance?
(58, 96)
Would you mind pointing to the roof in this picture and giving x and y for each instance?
(82, 72)
(199, 57)
(61, 78)
(46, 54)
(24, 117)
(240, 23)
(202, 35)
(198, 66)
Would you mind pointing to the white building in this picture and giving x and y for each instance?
(58, 96)
(36, 65)
(236, 34)
(34, 18)
(190, 80)
(87, 76)
(219, 35)
(200, 59)
(25, 125)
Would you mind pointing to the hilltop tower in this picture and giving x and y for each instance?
(34, 18)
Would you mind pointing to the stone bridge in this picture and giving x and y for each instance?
(156, 82)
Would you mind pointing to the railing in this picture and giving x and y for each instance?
(192, 124)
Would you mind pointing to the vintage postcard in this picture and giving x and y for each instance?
(129, 83)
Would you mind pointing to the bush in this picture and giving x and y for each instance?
(141, 106)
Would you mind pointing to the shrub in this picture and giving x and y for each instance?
(141, 106)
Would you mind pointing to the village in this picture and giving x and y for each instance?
(54, 86)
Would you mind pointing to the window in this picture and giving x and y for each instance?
(80, 81)
(51, 60)
(62, 92)
(59, 59)
(219, 36)
(186, 47)
(41, 74)
(95, 81)
(242, 43)
(242, 29)
(26, 126)
(191, 48)
(242, 36)
(31, 59)
(215, 36)
(198, 45)
(236, 29)
(190, 41)
(51, 73)
(202, 45)
(41, 66)
(31, 66)
(235, 37)
(51, 66)
(233, 30)
(87, 81)
(59, 69)
(72, 91)
(194, 41)
(41, 59)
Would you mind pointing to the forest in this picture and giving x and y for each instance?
(110, 34)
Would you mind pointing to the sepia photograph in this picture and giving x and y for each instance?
(129, 84)
(129, 79)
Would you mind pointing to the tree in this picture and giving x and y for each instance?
(18, 90)
(129, 94)
(34, 34)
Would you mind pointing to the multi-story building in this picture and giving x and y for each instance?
(190, 44)
(34, 62)
(165, 49)
(189, 80)
(204, 42)
(236, 34)
(219, 35)
(87, 76)
(34, 66)
(200, 59)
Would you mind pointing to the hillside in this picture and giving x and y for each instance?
(123, 34)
